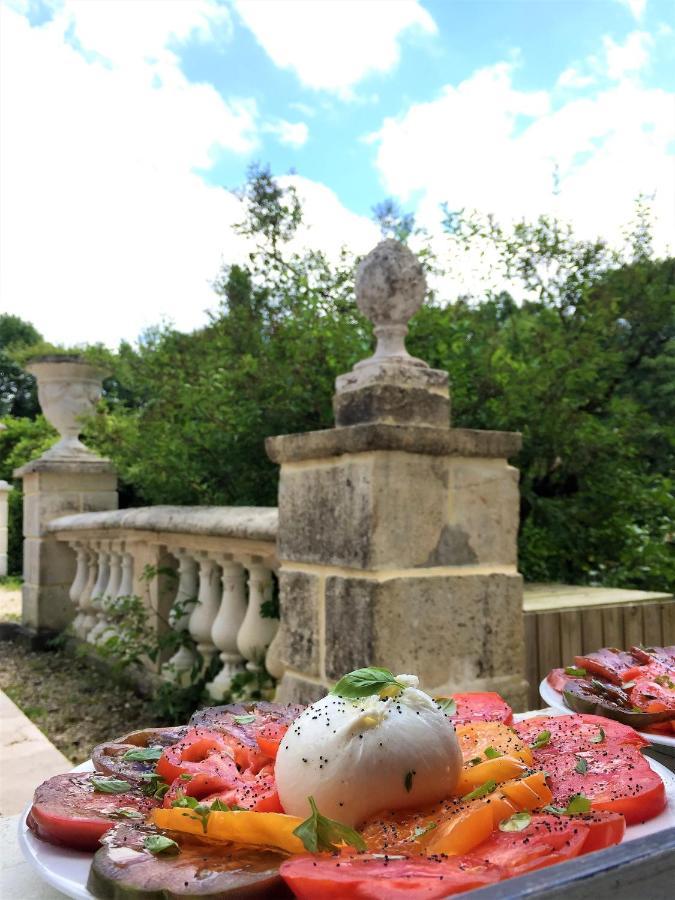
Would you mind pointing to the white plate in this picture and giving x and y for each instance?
(550, 696)
(68, 870)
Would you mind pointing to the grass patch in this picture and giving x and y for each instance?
(12, 582)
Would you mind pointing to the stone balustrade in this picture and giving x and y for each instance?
(203, 572)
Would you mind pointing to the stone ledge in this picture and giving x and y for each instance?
(431, 441)
(83, 465)
(257, 523)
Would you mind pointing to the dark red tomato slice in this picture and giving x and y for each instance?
(652, 695)
(604, 829)
(368, 878)
(545, 841)
(69, 812)
(204, 756)
(608, 663)
(577, 732)
(481, 707)
(269, 736)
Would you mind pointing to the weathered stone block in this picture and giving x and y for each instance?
(47, 561)
(452, 631)
(40, 508)
(45, 607)
(299, 638)
(391, 404)
(356, 511)
(293, 688)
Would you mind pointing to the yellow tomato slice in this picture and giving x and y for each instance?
(531, 792)
(242, 827)
(462, 832)
(477, 737)
(501, 769)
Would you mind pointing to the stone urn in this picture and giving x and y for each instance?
(69, 388)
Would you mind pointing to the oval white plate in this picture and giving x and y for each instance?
(68, 870)
(553, 698)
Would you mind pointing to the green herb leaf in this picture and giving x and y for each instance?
(143, 754)
(599, 737)
(664, 681)
(577, 805)
(126, 812)
(243, 720)
(447, 704)
(491, 753)
(541, 740)
(475, 760)
(154, 787)
(482, 791)
(186, 777)
(575, 671)
(364, 683)
(581, 766)
(408, 780)
(319, 833)
(420, 832)
(516, 822)
(158, 843)
(628, 685)
(554, 810)
(109, 785)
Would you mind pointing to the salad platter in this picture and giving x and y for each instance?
(378, 790)
(635, 687)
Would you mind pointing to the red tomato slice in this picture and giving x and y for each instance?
(269, 736)
(367, 878)
(545, 841)
(257, 792)
(69, 812)
(604, 829)
(608, 663)
(576, 732)
(653, 696)
(481, 707)
(203, 755)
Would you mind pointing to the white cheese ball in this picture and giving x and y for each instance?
(358, 757)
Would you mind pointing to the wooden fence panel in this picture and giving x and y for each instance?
(652, 633)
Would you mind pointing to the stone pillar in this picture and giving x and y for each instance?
(397, 533)
(5, 488)
(67, 478)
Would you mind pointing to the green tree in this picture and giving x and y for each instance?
(18, 395)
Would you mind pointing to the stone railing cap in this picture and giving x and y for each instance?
(407, 438)
(85, 464)
(257, 523)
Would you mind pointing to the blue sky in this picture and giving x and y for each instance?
(123, 121)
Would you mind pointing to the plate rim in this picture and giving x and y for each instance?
(553, 698)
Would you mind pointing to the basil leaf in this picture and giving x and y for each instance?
(581, 766)
(243, 720)
(186, 777)
(491, 753)
(516, 822)
(448, 705)
(158, 843)
(577, 805)
(109, 785)
(599, 737)
(319, 833)
(541, 740)
(487, 788)
(144, 754)
(575, 671)
(420, 832)
(408, 780)
(554, 810)
(475, 761)
(127, 812)
(364, 683)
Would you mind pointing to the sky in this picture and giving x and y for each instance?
(126, 124)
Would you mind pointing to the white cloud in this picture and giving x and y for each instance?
(605, 150)
(636, 7)
(332, 45)
(573, 78)
(627, 58)
(293, 134)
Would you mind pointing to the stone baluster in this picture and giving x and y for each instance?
(180, 667)
(80, 580)
(227, 625)
(257, 632)
(126, 587)
(88, 619)
(5, 488)
(273, 661)
(206, 608)
(98, 594)
(109, 596)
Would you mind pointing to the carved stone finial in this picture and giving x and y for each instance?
(390, 288)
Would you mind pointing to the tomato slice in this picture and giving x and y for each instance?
(200, 763)
(252, 791)
(269, 736)
(548, 839)
(604, 829)
(368, 878)
(575, 732)
(69, 812)
(481, 707)
(608, 663)
(477, 737)
(652, 695)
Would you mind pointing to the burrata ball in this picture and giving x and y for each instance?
(358, 757)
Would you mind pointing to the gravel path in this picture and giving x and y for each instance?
(74, 704)
(10, 604)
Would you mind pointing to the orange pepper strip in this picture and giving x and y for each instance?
(243, 827)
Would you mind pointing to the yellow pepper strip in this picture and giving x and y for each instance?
(476, 737)
(501, 769)
(531, 792)
(462, 832)
(260, 829)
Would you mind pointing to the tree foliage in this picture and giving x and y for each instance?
(578, 355)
